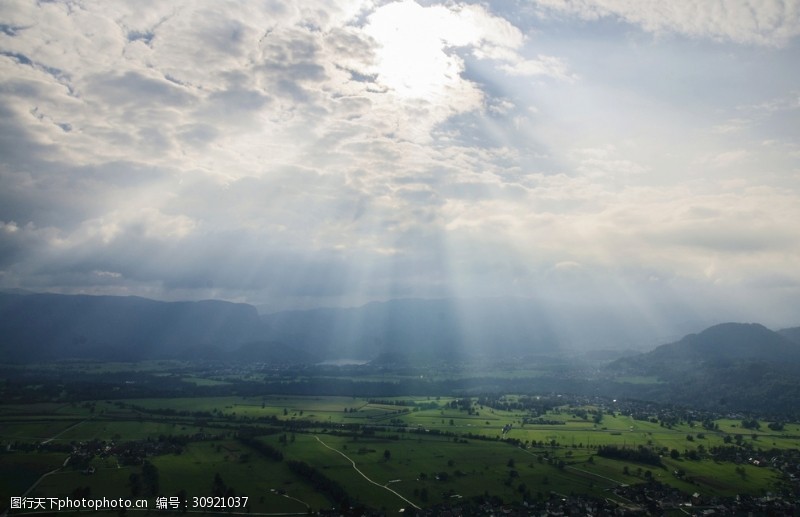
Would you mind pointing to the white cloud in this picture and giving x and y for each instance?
(318, 152)
(783, 103)
(549, 66)
(769, 22)
(732, 126)
(415, 55)
(726, 158)
(500, 106)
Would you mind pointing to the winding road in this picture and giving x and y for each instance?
(364, 475)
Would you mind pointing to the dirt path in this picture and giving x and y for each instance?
(64, 431)
(364, 475)
(298, 500)
(36, 483)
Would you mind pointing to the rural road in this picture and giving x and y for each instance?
(64, 431)
(36, 483)
(363, 475)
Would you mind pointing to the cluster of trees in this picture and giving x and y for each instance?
(264, 448)
(146, 483)
(542, 421)
(464, 404)
(392, 402)
(320, 481)
(751, 423)
(641, 454)
(536, 405)
(220, 489)
(583, 414)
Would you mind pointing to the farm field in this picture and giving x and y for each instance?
(295, 453)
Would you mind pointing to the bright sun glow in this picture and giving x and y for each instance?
(412, 59)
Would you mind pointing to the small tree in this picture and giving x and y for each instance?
(150, 478)
(135, 483)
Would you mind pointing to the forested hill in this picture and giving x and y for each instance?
(42, 327)
(793, 334)
(724, 343)
(734, 365)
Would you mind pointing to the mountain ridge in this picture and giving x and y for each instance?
(722, 342)
(37, 326)
(57, 326)
(735, 365)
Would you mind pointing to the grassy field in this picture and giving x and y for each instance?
(422, 453)
(440, 467)
(240, 468)
(19, 471)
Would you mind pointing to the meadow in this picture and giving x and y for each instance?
(388, 454)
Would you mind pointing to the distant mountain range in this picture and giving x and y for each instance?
(727, 342)
(732, 365)
(735, 365)
(426, 329)
(52, 326)
(42, 327)
(35, 327)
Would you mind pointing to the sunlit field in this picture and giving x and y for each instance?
(428, 450)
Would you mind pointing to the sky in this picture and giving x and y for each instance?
(331, 153)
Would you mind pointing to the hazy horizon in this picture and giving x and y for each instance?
(329, 154)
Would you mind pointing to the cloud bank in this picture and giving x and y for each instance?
(331, 153)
